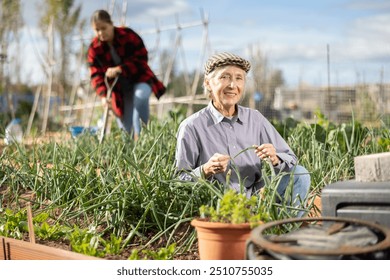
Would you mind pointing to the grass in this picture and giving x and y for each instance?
(120, 192)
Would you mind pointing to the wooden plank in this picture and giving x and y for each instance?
(22, 250)
(3, 254)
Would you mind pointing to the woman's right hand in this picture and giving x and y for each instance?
(218, 163)
(113, 72)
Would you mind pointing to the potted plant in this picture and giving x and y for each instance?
(223, 230)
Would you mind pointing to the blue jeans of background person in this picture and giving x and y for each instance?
(135, 109)
(301, 187)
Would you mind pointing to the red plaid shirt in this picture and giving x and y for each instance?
(134, 64)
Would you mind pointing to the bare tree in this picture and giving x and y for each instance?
(11, 22)
(265, 80)
(66, 19)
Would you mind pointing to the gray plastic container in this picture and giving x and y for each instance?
(361, 200)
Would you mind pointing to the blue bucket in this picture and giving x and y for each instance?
(77, 130)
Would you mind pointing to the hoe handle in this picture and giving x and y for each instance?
(110, 87)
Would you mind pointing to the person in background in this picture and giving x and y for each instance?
(209, 140)
(120, 52)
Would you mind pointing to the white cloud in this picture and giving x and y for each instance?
(376, 25)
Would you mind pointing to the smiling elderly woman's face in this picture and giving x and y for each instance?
(226, 85)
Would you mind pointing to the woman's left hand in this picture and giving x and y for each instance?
(267, 151)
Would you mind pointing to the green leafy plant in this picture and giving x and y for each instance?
(112, 246)
(235, 208)
(51, 232)
(88, 242)
(85, 242)
(161, 254)
(45, 231)
(13, 224)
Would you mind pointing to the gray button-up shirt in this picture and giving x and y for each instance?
(207, 132)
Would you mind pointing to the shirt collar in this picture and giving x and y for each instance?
(218, 117)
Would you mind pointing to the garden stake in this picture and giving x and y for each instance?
(30, 224)
(110, 87)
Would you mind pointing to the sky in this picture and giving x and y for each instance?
(297, 37)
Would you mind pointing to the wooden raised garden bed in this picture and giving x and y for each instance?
(13, 249)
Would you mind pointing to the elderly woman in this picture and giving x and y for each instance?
(209, 140)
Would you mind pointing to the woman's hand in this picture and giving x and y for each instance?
(106, 102)
(217, 164)
(113, 72)
(267, 150)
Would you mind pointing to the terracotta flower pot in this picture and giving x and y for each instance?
(221, 241)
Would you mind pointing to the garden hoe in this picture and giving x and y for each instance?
(110, 87)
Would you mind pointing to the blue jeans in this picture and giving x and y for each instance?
(300, 190)
(136, 108)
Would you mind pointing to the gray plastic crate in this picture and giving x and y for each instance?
(361, 200)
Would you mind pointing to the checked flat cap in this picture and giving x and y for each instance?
(223, 59)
